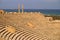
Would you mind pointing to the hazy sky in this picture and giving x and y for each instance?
(30, 4)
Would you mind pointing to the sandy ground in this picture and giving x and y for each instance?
(34, 22)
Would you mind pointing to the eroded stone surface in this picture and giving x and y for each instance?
(33, 21)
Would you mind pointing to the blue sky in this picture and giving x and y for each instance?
(30, 4)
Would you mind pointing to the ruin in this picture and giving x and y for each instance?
(1, 11)
(29, 23)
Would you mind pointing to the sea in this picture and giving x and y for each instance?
(44, 11)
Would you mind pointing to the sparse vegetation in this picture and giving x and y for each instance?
(49, 31)
(55, 17)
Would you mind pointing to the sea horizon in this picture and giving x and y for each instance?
(44, 11)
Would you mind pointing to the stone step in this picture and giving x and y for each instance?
(19, 35)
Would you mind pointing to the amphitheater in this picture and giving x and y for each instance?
(28, 26)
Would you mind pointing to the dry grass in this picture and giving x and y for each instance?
(38, 23)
